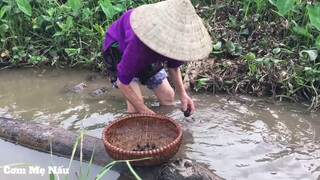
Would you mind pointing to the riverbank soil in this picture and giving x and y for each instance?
(256, 54)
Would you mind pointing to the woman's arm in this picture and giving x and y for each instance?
(186, 101)
(133, 98)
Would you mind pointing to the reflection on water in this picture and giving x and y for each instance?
(238, 140)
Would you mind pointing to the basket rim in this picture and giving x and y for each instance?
(177, 140)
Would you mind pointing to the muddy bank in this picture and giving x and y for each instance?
(258, 54)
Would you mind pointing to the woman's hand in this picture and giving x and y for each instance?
(133, 98)
(187, 105)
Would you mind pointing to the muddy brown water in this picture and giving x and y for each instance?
(250, 139)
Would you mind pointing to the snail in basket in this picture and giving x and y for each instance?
(145, 147)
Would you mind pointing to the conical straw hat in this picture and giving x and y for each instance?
(173, 29)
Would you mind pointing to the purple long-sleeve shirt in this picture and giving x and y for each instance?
(135, 54)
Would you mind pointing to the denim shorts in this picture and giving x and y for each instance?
(152, 82)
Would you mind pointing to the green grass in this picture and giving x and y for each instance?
(103, 171)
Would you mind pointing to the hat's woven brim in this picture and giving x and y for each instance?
(173, 29)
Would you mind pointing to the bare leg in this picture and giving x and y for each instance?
(164, 93)
(135, 86)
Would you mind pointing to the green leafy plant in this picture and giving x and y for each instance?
(250, 57)
(283, 6)
(111, 164)
(60, 34)
(24, 6)
(314, 14)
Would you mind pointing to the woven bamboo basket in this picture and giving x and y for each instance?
(139, 136)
